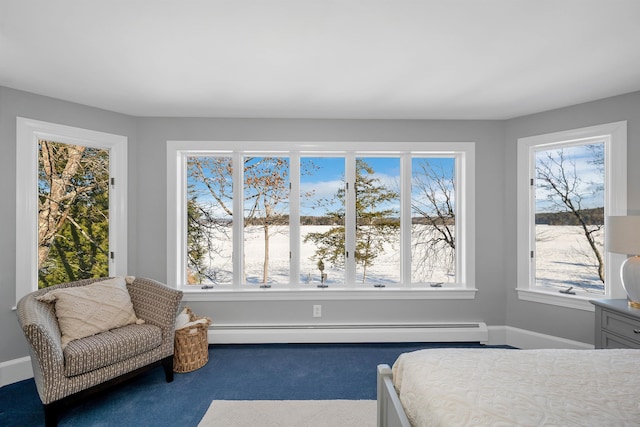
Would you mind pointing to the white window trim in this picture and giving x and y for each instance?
(615, 136)
(176, 165)
(28, 132)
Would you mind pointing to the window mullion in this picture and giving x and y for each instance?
(294, 219)
(238, 219)
(462, 217)
(350, 219)
(532, 216)
(405, 219)
(181, 273)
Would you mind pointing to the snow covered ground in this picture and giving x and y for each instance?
(563, 259)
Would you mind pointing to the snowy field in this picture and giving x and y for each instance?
(385, 268)
(563, 259)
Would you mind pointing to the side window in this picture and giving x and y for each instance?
(569, 203)
(73, 212)
(568, 183)
(71, 188)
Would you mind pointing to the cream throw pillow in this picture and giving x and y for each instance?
(83, 311)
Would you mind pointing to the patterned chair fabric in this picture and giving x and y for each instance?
(91, 361)
(104, 349)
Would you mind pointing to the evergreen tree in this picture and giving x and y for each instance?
(376, 223)
(73, 237)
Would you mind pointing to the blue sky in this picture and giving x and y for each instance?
(590, 177)
(327, 176)
(330, 167)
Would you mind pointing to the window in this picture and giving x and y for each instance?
(301, 217)
(322, 221)
(433, 219)
(71, 205)
(568, 183)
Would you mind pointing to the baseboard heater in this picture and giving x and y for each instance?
(330, 333)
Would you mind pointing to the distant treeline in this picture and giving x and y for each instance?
(325, 220)
(321, 220)
(317, 220)
(284, 219)
(593, 216)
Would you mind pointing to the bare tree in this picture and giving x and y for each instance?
(209, 209)
(433, 205)
(566, 191)
(266, 194)
(267, 191)
(71, 176)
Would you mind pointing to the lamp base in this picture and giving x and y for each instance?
(634, 304)
(630, 275)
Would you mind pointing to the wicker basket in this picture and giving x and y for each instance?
(191, 347)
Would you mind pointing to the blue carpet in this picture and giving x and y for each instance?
(234, 372)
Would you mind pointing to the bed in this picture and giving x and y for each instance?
(503, 387)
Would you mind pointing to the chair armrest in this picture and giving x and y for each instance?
(155, 302)
(40, 326)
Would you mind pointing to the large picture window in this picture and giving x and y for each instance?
(339, 218)
(569, 182)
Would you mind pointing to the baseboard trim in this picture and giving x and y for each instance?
(434, 332)
(524, 339)
(15, 370)
(20, 369)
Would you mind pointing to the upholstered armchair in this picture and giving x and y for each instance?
(65, 370)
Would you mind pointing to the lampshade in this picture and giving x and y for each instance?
(622, 235)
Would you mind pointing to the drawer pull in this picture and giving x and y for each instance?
(636, 331)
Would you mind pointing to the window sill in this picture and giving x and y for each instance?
(579, 302)
(272, 294)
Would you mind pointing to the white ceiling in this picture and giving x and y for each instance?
(420, 59)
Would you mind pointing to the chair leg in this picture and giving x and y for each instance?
(50, 414)
(167, 364)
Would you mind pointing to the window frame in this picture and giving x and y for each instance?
(28, 133)
(177, 152)
(614, 136)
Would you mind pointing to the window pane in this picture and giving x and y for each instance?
(433, 220)
(322, 210)
(209, 219)
(377, 220)
(73, 213)
(569, 218)
(266, 220)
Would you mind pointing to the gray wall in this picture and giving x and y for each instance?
(21, 104)
(495, 303)
(559, 321)
(489, 306)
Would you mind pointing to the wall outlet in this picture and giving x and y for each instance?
(317, 311)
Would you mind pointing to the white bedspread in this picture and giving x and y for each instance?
(501, 387)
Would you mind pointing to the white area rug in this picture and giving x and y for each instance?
(290, 413)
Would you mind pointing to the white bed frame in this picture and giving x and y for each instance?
(390, 410)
